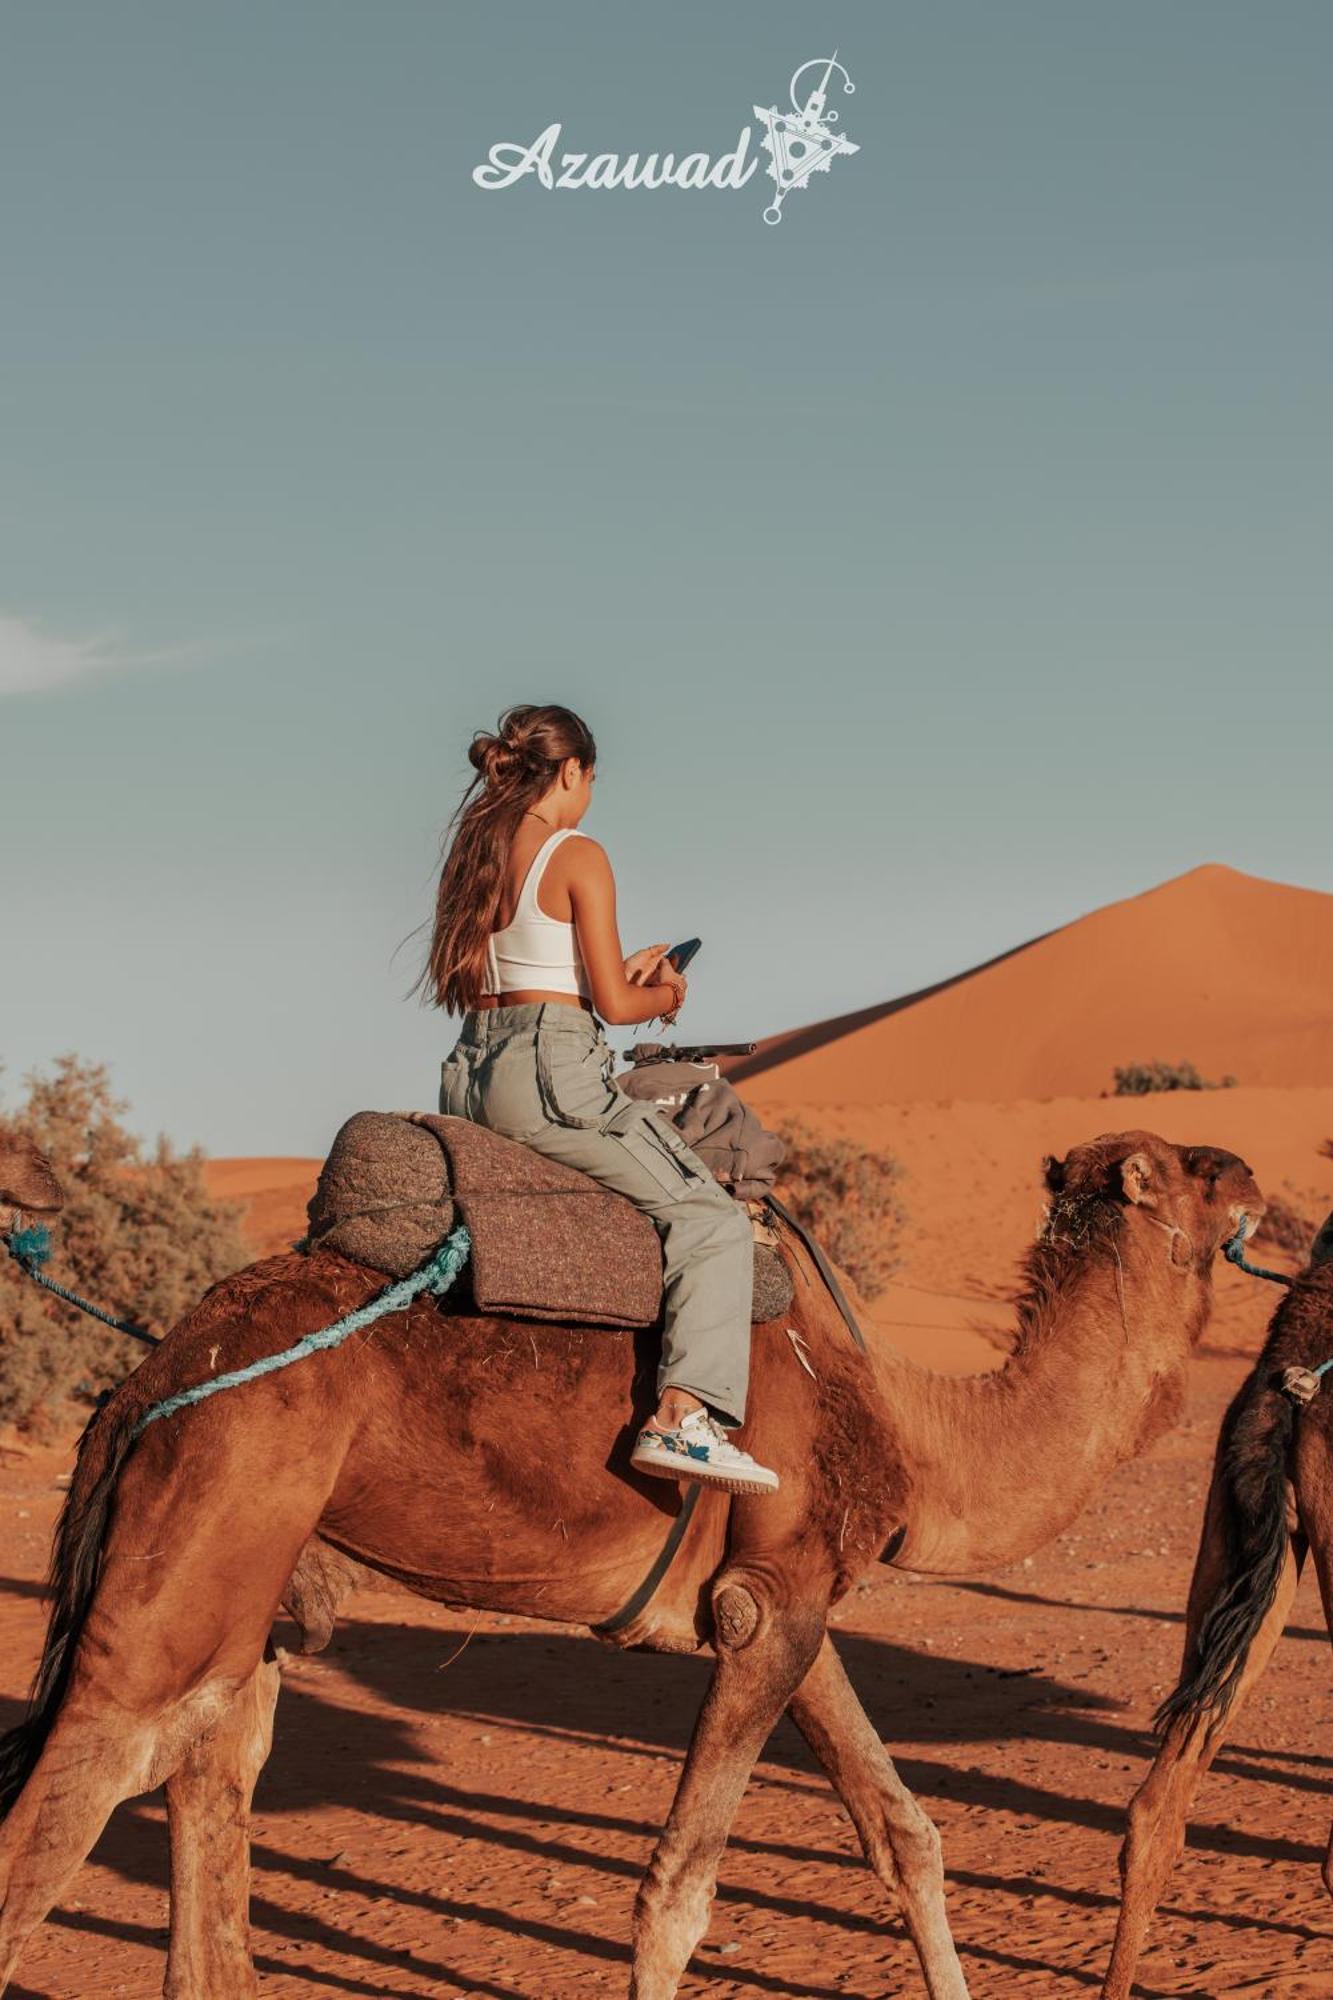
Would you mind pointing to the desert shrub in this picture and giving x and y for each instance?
(848, 1197)
(1286, 1228)
(139, 1235)
(1142, 1079)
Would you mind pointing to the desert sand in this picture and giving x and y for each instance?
(459, 1806)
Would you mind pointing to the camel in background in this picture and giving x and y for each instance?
(1271, 1501)
(467, 1459)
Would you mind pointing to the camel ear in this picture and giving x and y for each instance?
(1053, 1172)
(1136, 1178)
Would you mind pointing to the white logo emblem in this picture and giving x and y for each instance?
(802, 141)
(799, 143)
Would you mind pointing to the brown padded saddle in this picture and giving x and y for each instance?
(548, 1242)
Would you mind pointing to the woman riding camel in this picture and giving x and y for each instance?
(525, 947)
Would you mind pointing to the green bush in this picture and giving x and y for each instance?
(1142, 1079)
(848, 1197)
(139, 1235)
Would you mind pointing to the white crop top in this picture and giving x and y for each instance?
(534, 952)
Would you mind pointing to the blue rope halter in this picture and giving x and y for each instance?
(30, 1249)
(1235, 1254)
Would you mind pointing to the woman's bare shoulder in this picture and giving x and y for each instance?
(584, 855)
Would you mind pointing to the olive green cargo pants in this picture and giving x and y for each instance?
(544, 1075)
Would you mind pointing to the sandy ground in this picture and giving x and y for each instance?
(464, 1808)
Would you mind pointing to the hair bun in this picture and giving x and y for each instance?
(494, 758)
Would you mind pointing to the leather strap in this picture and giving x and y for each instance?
(822, 1265)
(643, 1596)
(647, 1589)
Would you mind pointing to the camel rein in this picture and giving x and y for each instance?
(1234, 1252)
(30, 1249)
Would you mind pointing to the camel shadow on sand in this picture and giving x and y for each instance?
(555, 1685)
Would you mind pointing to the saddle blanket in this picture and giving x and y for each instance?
(548, 1242)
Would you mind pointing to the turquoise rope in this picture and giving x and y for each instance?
(436, 1275)
(1235, 1254)
(30, 1249)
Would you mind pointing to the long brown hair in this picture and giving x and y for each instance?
(515, 767)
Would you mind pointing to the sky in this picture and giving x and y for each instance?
(933, 567)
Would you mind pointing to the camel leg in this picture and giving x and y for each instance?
(901, 1843)
(190, 1574)
(90, 1763)
(208, 1812)
(763, 1654)
(102, 1748)
(1158, 1810)
(1314, 1463)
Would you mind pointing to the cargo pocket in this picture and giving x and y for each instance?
(575, 1082)
(657, 1147)
(455, 1086)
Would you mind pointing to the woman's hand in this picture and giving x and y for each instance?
(641, 966)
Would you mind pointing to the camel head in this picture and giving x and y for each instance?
(26, 1180)
(1198, 1195)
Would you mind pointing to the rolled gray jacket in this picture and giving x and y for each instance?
(713, 1121)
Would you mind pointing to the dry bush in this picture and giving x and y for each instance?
(139, 1235)
(1286, 1228)
(848, 1198)
(1143, 1079)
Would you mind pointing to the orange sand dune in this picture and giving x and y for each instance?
(1215, 968)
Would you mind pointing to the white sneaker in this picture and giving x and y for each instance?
(699, 1448)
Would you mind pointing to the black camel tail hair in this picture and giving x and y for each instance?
(75, 1565)
(1256, 1442)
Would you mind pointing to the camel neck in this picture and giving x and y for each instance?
(998, 1463)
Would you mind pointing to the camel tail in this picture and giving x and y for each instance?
(75, 1564)
(1256, 1440)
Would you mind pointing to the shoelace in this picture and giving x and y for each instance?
(711, 1427)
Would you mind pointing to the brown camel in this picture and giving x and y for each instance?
(26, 1179)
(484, 1463)
(1270, 1501)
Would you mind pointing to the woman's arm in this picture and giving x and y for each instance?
(592, 896)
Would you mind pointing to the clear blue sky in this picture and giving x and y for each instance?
(934, 567)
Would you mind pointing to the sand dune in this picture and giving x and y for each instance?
(273, 1193)
(1216, 968)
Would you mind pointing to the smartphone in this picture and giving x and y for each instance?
(680, 955)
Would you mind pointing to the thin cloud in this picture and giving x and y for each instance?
(33, 660)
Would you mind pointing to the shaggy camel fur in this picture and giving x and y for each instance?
(1270, 1501)
(425, 1453)
(26, 1179)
